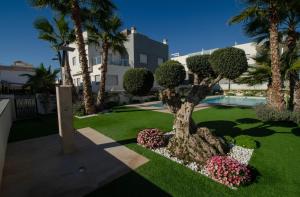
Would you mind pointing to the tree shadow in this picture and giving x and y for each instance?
(296, 131)
(223, 128)
(130, 184)
(288, 124)
(247, 121)
(259, 131)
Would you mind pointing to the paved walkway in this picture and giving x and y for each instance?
(153, 106)
(37, 167)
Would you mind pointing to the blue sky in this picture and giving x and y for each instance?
(188, 25)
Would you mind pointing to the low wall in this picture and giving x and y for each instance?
(5, 125)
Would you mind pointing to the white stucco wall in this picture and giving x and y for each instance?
(5, 125)
(93, 51)
(250, 51)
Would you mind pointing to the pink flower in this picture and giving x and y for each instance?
(228, 171)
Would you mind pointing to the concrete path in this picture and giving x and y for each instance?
(37, 167)
(151, 106)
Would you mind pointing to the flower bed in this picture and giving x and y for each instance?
(151, 138)
(241, 157)
(228, 171)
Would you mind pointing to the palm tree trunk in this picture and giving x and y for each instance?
(68, 76)
(103, 71)
(276, 95)
(87, 90)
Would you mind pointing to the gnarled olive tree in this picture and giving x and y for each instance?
(191, 143)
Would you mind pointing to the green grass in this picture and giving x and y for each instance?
(277, 157)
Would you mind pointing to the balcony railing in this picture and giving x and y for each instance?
(119, 62)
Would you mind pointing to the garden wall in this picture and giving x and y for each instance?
(5, 125)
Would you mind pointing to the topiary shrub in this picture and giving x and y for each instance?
(151, 138)
(267, 113)
(228, 171)
(170, 74)
(200, 65)
(138, 81)
(229, 62)
(245, 141)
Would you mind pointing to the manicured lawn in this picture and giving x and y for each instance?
(277, 159)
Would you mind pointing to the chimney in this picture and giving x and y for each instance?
(165, 41)
(133, 30)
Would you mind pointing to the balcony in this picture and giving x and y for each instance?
(119, 62)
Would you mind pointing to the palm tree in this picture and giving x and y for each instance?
(258, 28)
(72, 7)
(105, 30)
(59, 35)
(256, 12)
(43, 80)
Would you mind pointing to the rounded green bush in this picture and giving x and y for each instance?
(245, 141)
(229, 62)
(200, 65)
(170, 74)
(138, 81)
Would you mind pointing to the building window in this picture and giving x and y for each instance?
(143, 58)
(97, 60)
(97, 79)
(160, 61)
(112, 80)
(73, 61)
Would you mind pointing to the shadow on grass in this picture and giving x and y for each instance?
(223, 128)
(131, 184)
(296, 131)
(247, 121)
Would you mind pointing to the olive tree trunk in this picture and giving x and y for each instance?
(103, 71)
(191, 143)
(87, 92)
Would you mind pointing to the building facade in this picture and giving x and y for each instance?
(142, 52)
(10, 76)
(250, 51)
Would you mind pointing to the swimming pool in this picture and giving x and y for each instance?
(235, 100)
(227, 100)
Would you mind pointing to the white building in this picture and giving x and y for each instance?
(141, 52)
(250, 50)
(10, 75)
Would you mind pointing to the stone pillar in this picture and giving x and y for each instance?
(65, 117)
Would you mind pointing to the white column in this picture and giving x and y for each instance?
(65, 117)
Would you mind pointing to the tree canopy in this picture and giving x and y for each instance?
(170, 74)
(200, 65)
(229, 62)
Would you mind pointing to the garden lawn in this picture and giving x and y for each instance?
(277, 159)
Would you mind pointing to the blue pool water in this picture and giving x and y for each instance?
(235, 100)
(228, 100)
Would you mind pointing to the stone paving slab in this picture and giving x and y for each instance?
(37, 167)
